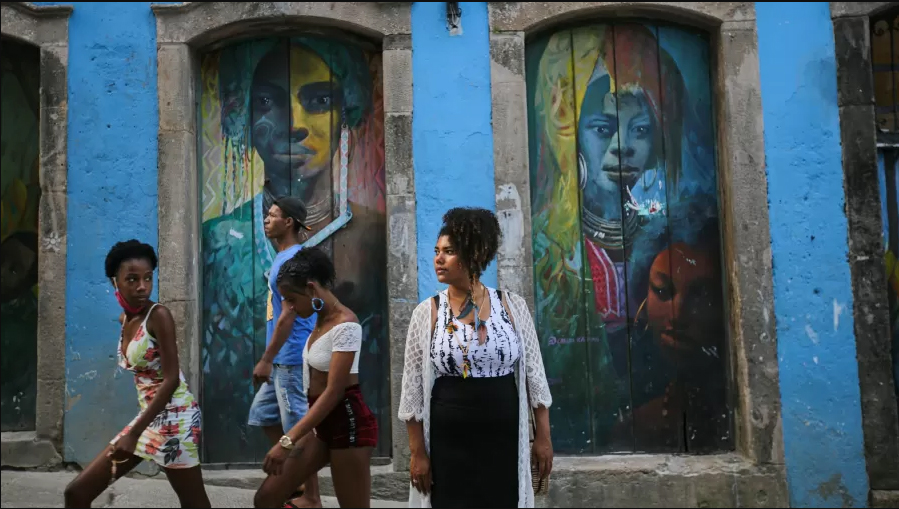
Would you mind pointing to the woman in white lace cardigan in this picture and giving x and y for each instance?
(472, 368)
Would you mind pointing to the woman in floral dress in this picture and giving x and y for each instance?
(167, 429)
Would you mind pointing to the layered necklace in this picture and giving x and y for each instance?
(468, 306)
(610, 233)
(318, 211)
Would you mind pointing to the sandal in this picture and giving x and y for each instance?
(295, 494)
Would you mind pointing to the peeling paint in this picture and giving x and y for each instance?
(837, 311)
(399, 234)
(72, 401)
(812, 334)
(834, 487)
(511, 222)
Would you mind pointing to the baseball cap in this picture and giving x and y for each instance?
(293, 208)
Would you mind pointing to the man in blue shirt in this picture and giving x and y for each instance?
(281, 400)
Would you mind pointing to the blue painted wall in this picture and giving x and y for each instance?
(452, 137)
(823, 441)
(113, 124)
(112, 154)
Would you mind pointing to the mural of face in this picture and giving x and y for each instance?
(617, 141)
(684, 304)
(276, 104)
(295, 116)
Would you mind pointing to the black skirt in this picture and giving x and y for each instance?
(474, 442)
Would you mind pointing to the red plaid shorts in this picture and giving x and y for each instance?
(350, 424)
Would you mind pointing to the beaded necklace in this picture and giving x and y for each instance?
(467, 307)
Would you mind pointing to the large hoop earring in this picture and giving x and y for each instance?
(655, 176)
(639, 312)
(581, 170)
(317, 304)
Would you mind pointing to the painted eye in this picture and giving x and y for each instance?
(642, 130)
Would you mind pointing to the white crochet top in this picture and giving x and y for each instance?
(419, 376)
(343, 337)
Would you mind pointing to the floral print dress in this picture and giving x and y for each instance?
(172, 439)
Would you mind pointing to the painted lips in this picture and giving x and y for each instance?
(291, 158)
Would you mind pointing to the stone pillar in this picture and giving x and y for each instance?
(402, 264)
(179, 240)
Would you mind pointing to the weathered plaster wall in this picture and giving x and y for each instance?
(452, 138)
(113, 119)
(823, 440)
(855, 92)
(112, 183)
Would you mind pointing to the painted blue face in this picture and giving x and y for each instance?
(616, 142)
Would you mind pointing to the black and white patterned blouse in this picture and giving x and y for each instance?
(495, 358)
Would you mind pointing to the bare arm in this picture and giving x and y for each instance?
(416, 431)
(541, 420)
(161, 326)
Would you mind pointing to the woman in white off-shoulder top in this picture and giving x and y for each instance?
(339, 428)
(472, 370)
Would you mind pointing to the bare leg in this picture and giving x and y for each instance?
(93, 480)
(188, 485)
(310, 497)
(310, 456)
(351, 473)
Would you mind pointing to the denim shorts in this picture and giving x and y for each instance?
(282, 402)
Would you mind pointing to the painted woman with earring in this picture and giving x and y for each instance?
(472, 376)
(339, 428)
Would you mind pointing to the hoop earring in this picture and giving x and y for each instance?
(582, 170)
(639, 312)
(655, 176)
(317, 304)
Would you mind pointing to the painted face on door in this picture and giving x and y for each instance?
(684, 303)
(295, 116)
(618, 138)
(617, 143)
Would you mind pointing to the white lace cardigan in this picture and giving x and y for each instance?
(419, 376)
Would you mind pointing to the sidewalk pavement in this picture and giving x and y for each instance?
(45, 489)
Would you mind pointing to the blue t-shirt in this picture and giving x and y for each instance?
(291, 353)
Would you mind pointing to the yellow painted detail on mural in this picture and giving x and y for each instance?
(892, 264)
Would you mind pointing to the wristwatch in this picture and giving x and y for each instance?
(286, 442)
